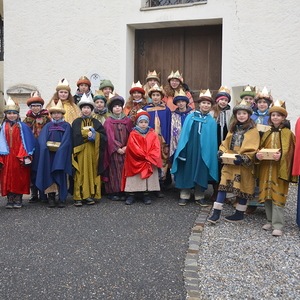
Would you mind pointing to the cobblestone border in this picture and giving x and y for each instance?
(191, 268)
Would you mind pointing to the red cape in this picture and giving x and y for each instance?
(296, 163)
(142, 152)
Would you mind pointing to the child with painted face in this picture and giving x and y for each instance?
(117, 126)
(89, 144)
(142, 160)
(136, 101)
(53, 165)
(100, 111)
(195, 162)
(83, 87)
(17, 144)
(275, 174)
(243, 141)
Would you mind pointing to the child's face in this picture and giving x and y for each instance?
(106, 91)
(242, 116)
(174, 83)
(86, 111)
(117, 110)
(205, 106)
(36, 108)
(156, 97)
(99, 103)
(57, 115)
(143, 124)
(181, 104)
(223, 102)
(63, 94)
(249, 99)
(152, 82)
(262, 105)
(277, 118)
(136, 95)
(12, 116)
(83, 88)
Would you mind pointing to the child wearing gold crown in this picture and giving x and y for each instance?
(175, 83)
(36, 118)
(195, 163)
(53, 157)
(276, 173)
(242, 142)
(152, 79)
(17, 144)
(83, 87)
(142, 160)
(100, 111)
(136, 101)
(63, 93)
(160, 120)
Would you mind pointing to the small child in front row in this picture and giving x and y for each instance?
(142, 160)
(243, 141)
(275, 175)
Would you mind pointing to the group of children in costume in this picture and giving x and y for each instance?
(86, 143)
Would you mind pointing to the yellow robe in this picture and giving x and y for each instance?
(274, 176)
(86, 181)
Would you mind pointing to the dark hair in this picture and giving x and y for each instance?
(247, 124)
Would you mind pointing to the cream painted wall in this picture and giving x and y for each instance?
(47, 40)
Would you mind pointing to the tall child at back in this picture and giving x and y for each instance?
(83, 87)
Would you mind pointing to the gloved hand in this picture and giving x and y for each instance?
(238, 160)
(219, 156)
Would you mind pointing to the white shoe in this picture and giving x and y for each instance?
(277, 232)
(267, 227)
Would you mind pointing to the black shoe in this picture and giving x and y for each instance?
(147, 200)
(89, 201)
(51, 203)
(78, 203)
(9, 205)
(34, 199)
(182, 202)
(18, 205)
(215, 217)
(159, 194)
(238, 216)
(202, 202)
(130, 200)
(61, 204)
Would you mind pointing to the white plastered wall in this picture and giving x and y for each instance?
(48, 40)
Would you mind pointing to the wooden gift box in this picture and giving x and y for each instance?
(228, 158)
(268, 153)
(262, 128)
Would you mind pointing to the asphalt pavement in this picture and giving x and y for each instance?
(105, 251)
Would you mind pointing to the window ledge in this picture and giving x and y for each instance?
(172, 6)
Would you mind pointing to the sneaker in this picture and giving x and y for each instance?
(17, 205)
(130, 200)
(182, 202)
(277, 232)
(147, 200)
(202, 202)
(9, 205)
(33, 199)
(89, 201)
(267, 227)
(78, 203)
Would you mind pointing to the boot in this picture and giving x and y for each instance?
(51, 200)
(146, 198)
(238, 216)
(61, 204)
(34, 194)
(216, 213)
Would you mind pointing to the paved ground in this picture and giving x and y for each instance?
(105, 251)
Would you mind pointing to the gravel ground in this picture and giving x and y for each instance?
(106, 251)
(243, 261)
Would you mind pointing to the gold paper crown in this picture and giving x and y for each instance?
(176, 75)
(249, 88)
(99, 93)
(56, 107)
(138, 84)
(224, 89)
(264, 94)
(86, 101)
(180, 93)
(156, 88)
(205, 93)
(63, 84)
(85, 80)
(279, 106)
(243, 105)
(243, 102)
(35, 97)
(153, 75)
(279, 103)
(35, 94)
(11, 105)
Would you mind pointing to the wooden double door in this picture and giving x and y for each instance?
(195, 51)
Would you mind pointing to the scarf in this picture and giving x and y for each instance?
(100, 112)
(140, 130)
(121, 116)
(80, 94)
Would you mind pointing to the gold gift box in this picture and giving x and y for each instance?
(86, 127)
(262, 128)
(228, 158)
(268, 153)
(53, 146)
